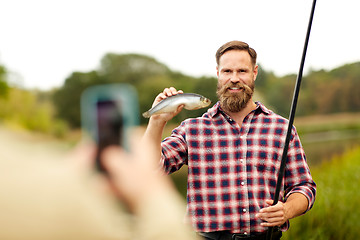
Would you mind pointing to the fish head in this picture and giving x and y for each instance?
(205, 101)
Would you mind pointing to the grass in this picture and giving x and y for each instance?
(336, 212)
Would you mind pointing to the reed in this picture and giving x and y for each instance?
(336, 212)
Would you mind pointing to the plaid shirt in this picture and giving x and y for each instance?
(232, 170)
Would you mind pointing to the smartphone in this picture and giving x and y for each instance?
(108, 112)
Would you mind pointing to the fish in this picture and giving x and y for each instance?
(191, 101)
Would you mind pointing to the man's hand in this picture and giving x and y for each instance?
(273, 215)
(154, 131)
(295, 205)
(168, 92)
(135, 176)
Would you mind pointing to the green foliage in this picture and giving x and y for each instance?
(130, 68)
(336, 212)
(279, 93)
(4, 88)
(67, 99)
(321, 92)
(147, 75)
(28, 109)
(23, 108)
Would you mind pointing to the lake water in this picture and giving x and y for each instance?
(323, 146)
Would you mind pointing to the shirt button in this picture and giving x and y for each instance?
(242, 183)
(244, 210)
(245, 233)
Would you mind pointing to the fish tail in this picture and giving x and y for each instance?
(146, 114)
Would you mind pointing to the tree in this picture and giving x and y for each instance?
(67, 98)
(321, 91)
(147, 75)
(4, 88)
(130, 68)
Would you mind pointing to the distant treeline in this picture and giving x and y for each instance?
(146, 74)
(322, 91)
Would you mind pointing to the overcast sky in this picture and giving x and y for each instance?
(44, 41)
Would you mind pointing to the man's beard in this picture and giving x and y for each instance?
(234, 102)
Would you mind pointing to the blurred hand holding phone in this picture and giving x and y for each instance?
(108, 112)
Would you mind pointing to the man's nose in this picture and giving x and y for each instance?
(235, 77)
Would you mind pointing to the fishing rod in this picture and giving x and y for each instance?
(291, 118)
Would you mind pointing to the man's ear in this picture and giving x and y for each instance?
(256, 71)
(217, 71)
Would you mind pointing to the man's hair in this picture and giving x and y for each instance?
(236, 45)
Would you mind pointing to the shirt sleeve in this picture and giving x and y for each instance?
(174, 150)
(297, 172)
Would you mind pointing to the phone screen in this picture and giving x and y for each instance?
(109, 126)
(108, 112)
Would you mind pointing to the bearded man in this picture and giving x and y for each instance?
(233, 153)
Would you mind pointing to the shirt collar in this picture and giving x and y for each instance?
(262, 108)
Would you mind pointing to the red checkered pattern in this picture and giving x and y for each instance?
(232, 170)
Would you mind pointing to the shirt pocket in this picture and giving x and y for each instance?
(266, 168)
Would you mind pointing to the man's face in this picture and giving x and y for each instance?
(236, 78)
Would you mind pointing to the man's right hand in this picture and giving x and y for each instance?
(154, 131)
(165, 117)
